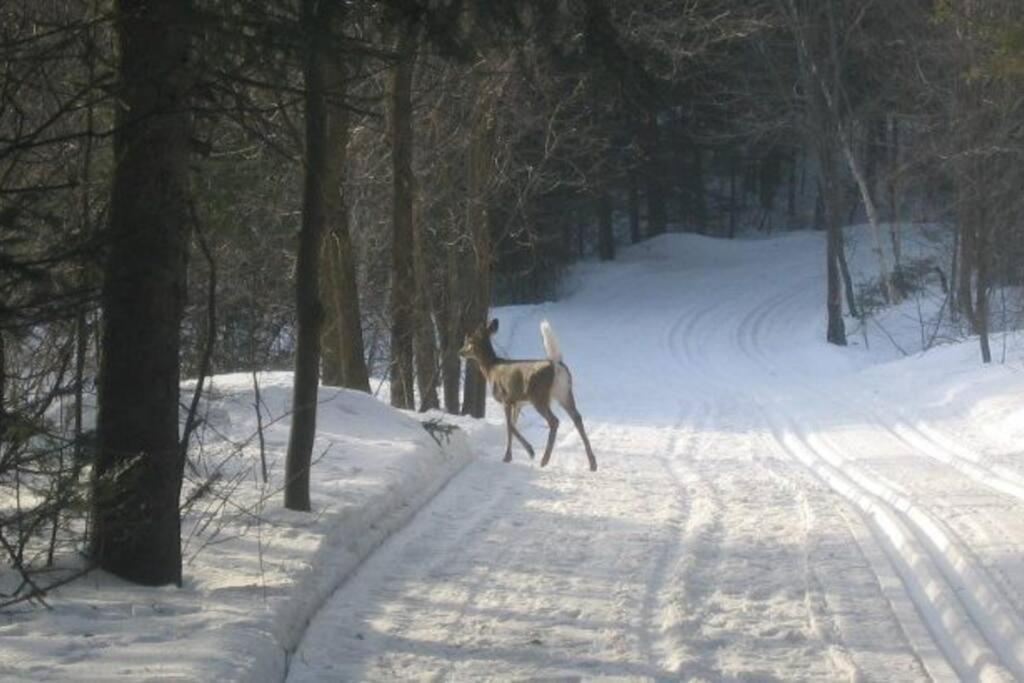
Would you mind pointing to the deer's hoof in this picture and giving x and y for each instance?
(593, 467)
(531, 453)
(507, 458)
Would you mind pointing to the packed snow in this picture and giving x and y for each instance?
(767, 507)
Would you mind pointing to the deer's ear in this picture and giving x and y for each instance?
(493, 327)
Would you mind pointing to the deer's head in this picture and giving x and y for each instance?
(478, 343)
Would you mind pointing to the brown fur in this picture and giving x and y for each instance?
(515, 382)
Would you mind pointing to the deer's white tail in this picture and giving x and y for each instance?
(550, 343)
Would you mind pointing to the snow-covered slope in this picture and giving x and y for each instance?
(255, 573)
(766, 507)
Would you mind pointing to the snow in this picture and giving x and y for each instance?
(767, 507)
(255, 573)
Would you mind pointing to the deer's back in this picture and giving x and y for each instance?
(522, 380)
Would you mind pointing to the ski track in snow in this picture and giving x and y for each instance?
(759, 512)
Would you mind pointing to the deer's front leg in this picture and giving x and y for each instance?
(508, 433)
(516, 433)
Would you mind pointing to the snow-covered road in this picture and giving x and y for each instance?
(766, 507)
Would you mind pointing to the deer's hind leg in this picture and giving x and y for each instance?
(544, 408)
(568, 402)
(509, 429)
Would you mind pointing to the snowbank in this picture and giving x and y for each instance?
(255, 573)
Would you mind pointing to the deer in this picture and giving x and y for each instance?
(515, 383)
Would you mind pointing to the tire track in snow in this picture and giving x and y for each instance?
(748, 333)
(959, 622)
(690, 338)
(458, 518)
(967, 616)
(996, 586)
(748, 339)
(673, 577)
(690, 352)
(915, 435)
(822, 620)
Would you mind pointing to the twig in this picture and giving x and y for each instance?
(211, 335)
(259, 424)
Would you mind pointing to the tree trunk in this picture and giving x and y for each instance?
(451, 334)
(344, 356)
(657, 219)
(965, 228)
(844, 269)
(402, 264)
(581, 232)
(981, 316)
(479, 171)
(680, 174)
(634, 209)
(700, 206)
(834, 299)
(136, 524)
(3, 390)
(733, 209)
(791, 190)
(425, 335)
(954, 305)
(824, 123)
(884, 267)
(605, 227)
(308, 307)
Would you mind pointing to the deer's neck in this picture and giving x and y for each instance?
(486, 358)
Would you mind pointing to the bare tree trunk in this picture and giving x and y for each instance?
(954, 305)
(825, 124)
(344, 356)
(792, 189)
(884, 267)
(892, 180)
(836, 327)
(965, 230)
(451, 333)
(700, 205)
(605, 231)
(137, 476)
(657, 219)
(309, 310)
(733, 209)
(479, 173)
(982, 287)
(3, 395)
(427, 370)
(402, 265)
(844, 269)
(634, 209)
(681, 175)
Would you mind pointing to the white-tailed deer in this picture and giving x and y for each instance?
(515, 382)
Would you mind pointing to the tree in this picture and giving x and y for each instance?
(814, 31)
(317, 21)
(344, 356)
(138, 467)
(486, 91)
(403, 294)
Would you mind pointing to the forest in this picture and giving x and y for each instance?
(344, 190)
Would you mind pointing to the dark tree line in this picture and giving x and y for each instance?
(345, 189)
